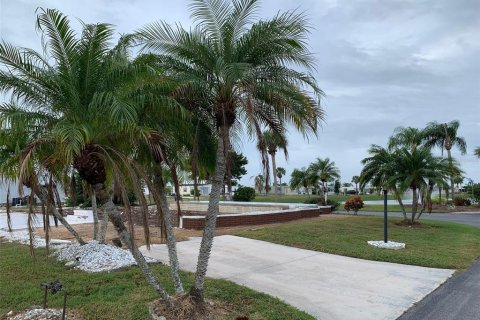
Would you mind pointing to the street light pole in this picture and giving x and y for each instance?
(385, 218)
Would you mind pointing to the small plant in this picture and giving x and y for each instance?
(244, 194)
(354, 203)
(459, 201)
(314, 200)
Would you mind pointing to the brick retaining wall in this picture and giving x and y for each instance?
(232, 220)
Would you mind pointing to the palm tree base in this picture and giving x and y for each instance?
(186, 307)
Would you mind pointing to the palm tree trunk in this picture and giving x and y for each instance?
(400, 202)
(106, 201)
(176, 183)
(197, 290)
(414, 204)
(325, 191)
(42, 194)
(440, 194)
(274, 168)
(452, 184)
(95, 215)
(171, 241)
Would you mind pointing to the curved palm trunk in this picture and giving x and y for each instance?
(95, 215)
(176, 183)
(400, 202)
(274, 168)
(197, 290)
(171, 241)
(105, 199)
(42, 194)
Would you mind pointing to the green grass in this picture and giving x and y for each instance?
(300, 198)
(116, 295)
(437, 244)
(390, 207)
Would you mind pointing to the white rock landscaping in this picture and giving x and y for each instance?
(387, 245)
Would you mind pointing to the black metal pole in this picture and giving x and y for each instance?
(385, 218)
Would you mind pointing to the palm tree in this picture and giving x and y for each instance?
(268, 144)
(239, 73)
(445, 136)
(355, 180)
(81, 107)
(259, 183)
(378, 169)
(407, 137)
(300, 178)
(416, 170)
(325, 171)
(280, 172)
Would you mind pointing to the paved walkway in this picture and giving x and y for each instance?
(324, 285)
(20, 220)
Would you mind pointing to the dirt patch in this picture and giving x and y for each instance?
(186, 310)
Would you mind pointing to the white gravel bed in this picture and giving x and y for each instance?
(38, 314)
(389, 245)
(96, 257)
(22, 237)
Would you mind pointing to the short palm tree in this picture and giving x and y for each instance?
(300, 178)
(325, 171)
(259, 183)
(355, 180)
(239, 73)
(445, 136)
(280, 172)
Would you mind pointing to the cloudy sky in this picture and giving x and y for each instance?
(381, 63)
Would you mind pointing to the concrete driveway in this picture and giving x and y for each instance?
(324, 285)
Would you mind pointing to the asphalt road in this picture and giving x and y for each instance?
(472, 219)
(459, 297)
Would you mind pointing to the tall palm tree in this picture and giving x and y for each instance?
(355, 180)
(84, 93)
(268, 144)
(280, 172)
(300, 178)
(240, 74)
(445, 136)
(325, 171)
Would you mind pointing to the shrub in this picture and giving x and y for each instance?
(333, 204)
(354, 203)
(314, 200)
(459, 201)
(244, 194)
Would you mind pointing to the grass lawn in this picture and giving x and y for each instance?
(390, 207)
(436, 244)
(116, 295)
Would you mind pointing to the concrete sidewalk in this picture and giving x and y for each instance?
(324, 285)
(20, 220)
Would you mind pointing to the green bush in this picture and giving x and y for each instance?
(354, 203)
(244, 194)
(321, 202)
(333, 204)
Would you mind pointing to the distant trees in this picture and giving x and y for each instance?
(355, 180)
(323, 171)
(477, 151)
(280, 173)
(301, 178)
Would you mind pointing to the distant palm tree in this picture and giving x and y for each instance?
(280, 172)
(325, 171)
(445, 136)
(300, 178)
(355, 180)
(268, 144)
(259, 183)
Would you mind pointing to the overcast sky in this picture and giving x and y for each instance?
(381, 63)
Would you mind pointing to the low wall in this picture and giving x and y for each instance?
(255, 218)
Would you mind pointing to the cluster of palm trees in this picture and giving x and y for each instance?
(316, 176)
(408, 163)
(83, 107)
